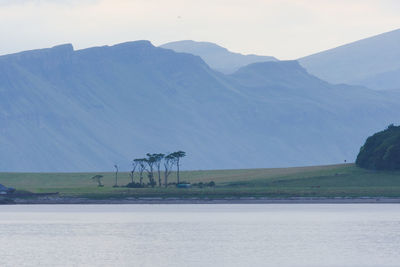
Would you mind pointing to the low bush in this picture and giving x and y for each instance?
(134, 185)
(201, 184)
(211, 184)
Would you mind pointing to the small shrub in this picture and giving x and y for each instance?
(134, 185)
(199, 185)
(211, 184)
(152, 183)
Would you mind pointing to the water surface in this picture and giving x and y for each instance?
(200, 235)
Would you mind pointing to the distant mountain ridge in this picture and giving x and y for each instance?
(217, 57)
(372, 62)
(85, 110)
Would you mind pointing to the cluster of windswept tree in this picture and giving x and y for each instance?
(154, 162)
(151, 164)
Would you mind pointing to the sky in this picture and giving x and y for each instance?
(281, 28)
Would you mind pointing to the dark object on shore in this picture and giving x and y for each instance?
(381, 151)
(6, 190)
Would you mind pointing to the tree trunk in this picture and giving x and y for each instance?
(166, 178)
(159, 177)
(177, 168)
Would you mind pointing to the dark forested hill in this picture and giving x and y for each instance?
(84, 110)
(381, 151)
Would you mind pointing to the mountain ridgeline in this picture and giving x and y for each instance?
(217, 57)
(373, 62)
(86, 110)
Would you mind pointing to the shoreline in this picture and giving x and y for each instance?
(247, 200)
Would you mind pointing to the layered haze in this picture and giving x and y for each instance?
(85, 110)
(217, 57)
(373, 62)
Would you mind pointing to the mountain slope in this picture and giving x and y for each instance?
(310, 116)
(373, 62)
(389, 80)
(85, 110)
(217, 57)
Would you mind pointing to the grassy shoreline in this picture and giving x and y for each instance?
(168, 201)
(332, 181)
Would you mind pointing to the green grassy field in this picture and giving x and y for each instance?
(319, 181)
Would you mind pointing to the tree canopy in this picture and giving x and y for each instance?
(381, 151)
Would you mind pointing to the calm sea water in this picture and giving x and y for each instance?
(200, 235)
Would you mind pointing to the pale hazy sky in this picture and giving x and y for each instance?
(281, 28)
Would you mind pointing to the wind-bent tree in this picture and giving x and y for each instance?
(98, 178)
(158, 158)
(132, 173)
(116, 175)
(178, 155)
(141, 164)
(151, 160)
(169, 161)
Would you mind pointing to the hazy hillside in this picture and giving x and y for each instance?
(389, 80)
(373, 62)
(217, 57)
(66, 110)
